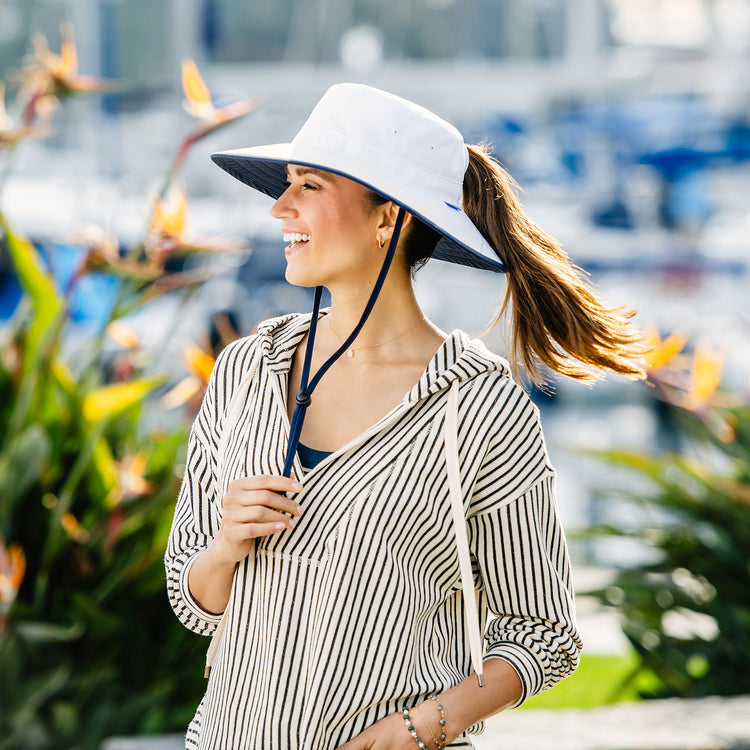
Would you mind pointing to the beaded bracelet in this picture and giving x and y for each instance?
(427, 724)
(413, 732)
(442, 720)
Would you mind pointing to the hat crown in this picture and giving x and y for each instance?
(385, 134)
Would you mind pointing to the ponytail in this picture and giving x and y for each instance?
(557, 318)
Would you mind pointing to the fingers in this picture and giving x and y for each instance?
(239, 534)
(263, 491)
(266, 482)
(254, 507)
(242, 500)
(259, 514)
(241, 526)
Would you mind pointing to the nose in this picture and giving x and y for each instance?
(283, 206)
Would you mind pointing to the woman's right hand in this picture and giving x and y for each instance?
(252, 507)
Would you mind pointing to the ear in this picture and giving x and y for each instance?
(387, 219)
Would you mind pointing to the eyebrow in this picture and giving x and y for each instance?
(298, 170)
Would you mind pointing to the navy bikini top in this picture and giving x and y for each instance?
(309, 457)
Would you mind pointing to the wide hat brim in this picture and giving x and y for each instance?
(264, 168)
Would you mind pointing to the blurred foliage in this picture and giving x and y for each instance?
(600, 679)
(88, 645)
(686, 608)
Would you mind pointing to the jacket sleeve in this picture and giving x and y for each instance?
(197, 514)
(518, 542)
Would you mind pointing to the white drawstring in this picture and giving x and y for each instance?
(450, 436)
(233, 412)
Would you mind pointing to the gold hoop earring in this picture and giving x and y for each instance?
(381, 243)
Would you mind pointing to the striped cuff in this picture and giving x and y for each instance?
(187, 608)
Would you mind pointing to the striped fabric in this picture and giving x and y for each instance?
(357, 612)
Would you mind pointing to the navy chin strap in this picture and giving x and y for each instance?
(304, 397)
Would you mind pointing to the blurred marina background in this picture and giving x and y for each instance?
(626, 124)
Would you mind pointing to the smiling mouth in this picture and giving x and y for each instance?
(295, 238)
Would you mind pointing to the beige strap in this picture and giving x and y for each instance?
(450, 436)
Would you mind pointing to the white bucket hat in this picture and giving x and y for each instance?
(400, 150)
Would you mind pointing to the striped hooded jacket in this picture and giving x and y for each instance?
(357, 612)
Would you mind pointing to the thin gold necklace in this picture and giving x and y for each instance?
(350, 351)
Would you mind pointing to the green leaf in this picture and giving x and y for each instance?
(37, 282)
(46, 632)
(27, 730)
(65, 718)
(21, 464)
(113, 399)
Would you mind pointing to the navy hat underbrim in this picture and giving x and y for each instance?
(269, 177)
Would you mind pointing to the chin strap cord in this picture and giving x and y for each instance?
(304, 396)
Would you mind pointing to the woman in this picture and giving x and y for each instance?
(363, 489)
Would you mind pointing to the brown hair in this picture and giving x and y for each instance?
(558, 319)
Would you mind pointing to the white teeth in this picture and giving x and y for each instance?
(296, 237)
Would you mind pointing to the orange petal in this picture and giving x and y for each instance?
(170, 216)
(17, 564)
(12, 569)
(200, 362)
(137, 463)
(122, 334)
(193, 84)
(726, 433)
(663, 352)
(181, 393)
(73, 528)
(705, 375)
(68, 51)
(131, 481)
(96, 239)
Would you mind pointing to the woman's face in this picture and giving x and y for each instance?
(331, 228)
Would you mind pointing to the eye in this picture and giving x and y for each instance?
(308, 186)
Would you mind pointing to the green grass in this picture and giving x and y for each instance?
(600, 679)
